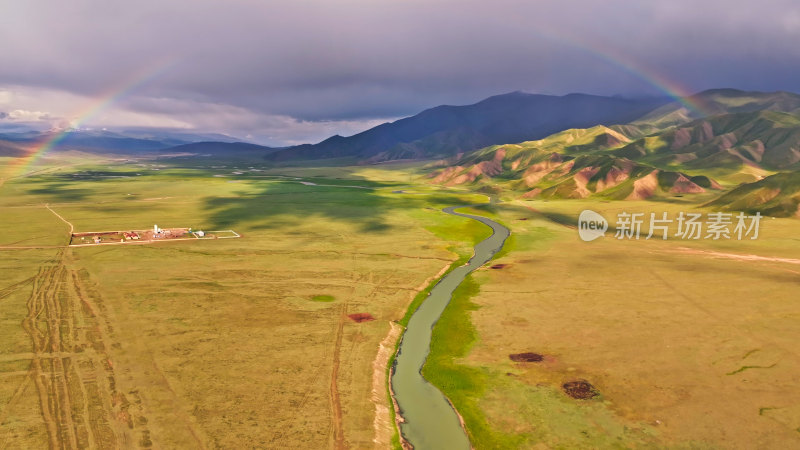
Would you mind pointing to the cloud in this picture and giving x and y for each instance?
(27, 116)
(76, 111)
(331, 66)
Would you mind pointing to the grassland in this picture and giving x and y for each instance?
(689, 344)
(235, 343)
(242, 343)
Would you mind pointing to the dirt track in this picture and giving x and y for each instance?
(737, 256)
(336, 403)
(71, 368)
(71, 227)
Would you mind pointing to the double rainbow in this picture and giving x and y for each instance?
(606, 54)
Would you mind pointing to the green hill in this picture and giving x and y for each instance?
(720, 101)
(666, 153)
(575, 163)
(764, 139)
(777, 195)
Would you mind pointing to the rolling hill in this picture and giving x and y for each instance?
(715, 102)
(570, 164)
(763, 139)
(223, 148)
(777, 195)
(103, 141)
(11, 148)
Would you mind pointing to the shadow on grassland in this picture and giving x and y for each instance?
(61, 187)
(282, 204)
(61, 192)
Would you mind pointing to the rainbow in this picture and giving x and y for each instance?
(99, 104)
(617, 59)
(607, 54)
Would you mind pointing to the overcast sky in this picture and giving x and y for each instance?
(283, 72)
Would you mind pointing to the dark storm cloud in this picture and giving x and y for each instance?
(359, 59)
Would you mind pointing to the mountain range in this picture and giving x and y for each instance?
(750, 146)
(448, 130)
(741, 148)
(19, 141)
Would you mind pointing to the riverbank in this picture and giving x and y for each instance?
(429, 420)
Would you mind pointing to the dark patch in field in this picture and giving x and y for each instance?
(499, 266)
(63, 192)
(580, 389)
(523, 218)
(361, 317)
(526, 357)
(281, 204)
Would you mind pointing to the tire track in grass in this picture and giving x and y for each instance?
(336, 403)
(80, 401)
(47, 373)
(339, 442)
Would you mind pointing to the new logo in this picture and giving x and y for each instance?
(591, 225)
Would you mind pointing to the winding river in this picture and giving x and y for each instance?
(429, 420)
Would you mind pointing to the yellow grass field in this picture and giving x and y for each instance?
(689, 344)
(247, 343)
(211, 344)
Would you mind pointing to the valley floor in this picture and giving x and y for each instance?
(233, 343)
(689, 344)
(242, 343)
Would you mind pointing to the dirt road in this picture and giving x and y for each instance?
(80, 398)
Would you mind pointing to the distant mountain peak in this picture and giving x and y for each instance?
(721, 91)
(445, 130)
